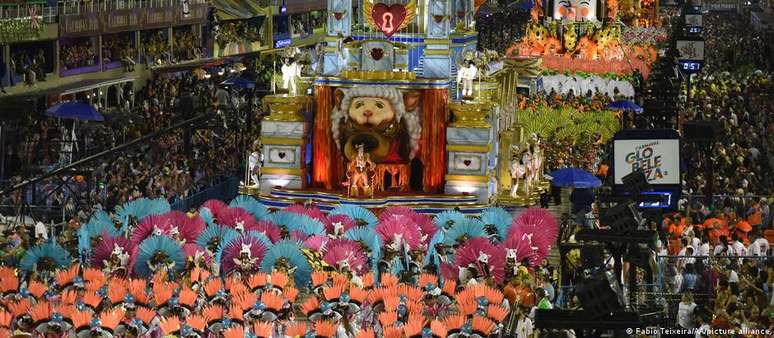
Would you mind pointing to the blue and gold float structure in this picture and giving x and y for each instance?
(384, 99)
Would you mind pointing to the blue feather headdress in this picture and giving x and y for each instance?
(207, 216)
(497, 222)
(361, 216)
(57, 255)
(222, 234)
(466, 229)
(261, 237)
(99, 224)
(297, 222)
(448, 218)
(369, 238)
(251, 205)
(432, 253)
(291, 252)
(154, 245)
(139, 209)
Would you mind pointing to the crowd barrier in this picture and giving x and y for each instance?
(701, 265)
(225, 190)
(75, 7)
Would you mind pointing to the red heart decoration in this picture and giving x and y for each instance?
(377, 53)
(467, 163)
(388, 19)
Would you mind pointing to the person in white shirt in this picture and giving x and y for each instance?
(686, 255)
(704, 247)
(524, 328)
(465, 77)
(685, 312)
(739, 248)
(758, 247)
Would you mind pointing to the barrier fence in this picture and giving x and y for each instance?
(225, 191)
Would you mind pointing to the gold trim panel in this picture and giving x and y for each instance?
(377, 75)
(467, 178)
(469, 148)
(285, 141)
(282, 171)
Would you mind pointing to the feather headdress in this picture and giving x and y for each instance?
(519, 248)
(370, 241)
(346, 254)
(391, 211)
(340, 224)
(538, 226)
(157, 247)
(154, 225)
(446, 219)
(139, 209)
(107, 247)
(238, 219)
(288, 253)
(215, 237)
(188, 228)
(399, 231)
(251, 205)
(45, 257)
(497, 222)
(269, 230)
(463, 230)
(99, 226)
(361, 216)
(66, 277)
(9, 281)
(249, 245)
(214, 207)
(484, 256)
(297, 222)
(309, 210)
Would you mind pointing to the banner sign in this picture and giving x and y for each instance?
(81, 24)
(658, 158)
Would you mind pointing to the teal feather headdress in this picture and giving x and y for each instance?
(155, 245)
(297, 222)
(57, 255)
(497, 220)
(369, 238)
(216, 232)
(291, 252)
(466, 229)
(448, 218)
(99, 224)
(361, 216)
(251, 205)
(139, 209)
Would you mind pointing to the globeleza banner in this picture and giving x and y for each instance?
(659, 160)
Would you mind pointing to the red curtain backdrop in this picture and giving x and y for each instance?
(323, 144)
(433, 143)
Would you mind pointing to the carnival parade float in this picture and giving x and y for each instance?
(401, 109)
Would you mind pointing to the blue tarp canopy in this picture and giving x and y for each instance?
(75, 111)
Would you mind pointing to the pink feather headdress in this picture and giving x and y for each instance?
(188, 227)
(237, 218)
(312, 211)
(522, 249)
(344, 251)
(234, 249)
(215, 206)
(104, 250)
(399, 229)
(268, 228)
(346, 223)
(392, 211)
(484, 256)
(153, 224)
(539, 227)
(317, 243)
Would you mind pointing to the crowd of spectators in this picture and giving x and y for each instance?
(186, 46)
(736, 89)
(155, 49)
(119, 48)
(30, 66)
(173, 166)
(76, 54)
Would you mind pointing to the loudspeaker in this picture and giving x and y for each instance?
(600, 295)
(701, 130)
(635, 182)
(592, 257)
(622, 217)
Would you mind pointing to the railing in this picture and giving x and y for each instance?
(75, 7)
(20, 11)
(225, 190)
(722, 5)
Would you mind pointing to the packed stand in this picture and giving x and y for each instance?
(186, 46)
(77, 54)
(31, 67)
(169, 167)
(119, 48)
(237, 269)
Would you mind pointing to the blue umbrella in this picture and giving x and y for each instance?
(76, 111)
(625, 106)
(573, 177)
(240, 82)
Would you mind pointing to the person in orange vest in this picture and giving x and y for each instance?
(755, 215)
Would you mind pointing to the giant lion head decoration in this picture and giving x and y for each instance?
(380, 118)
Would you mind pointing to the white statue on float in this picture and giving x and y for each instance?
(465, 77)
(291, 70)
(527, 161)
(517, 172)
(255, 162)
